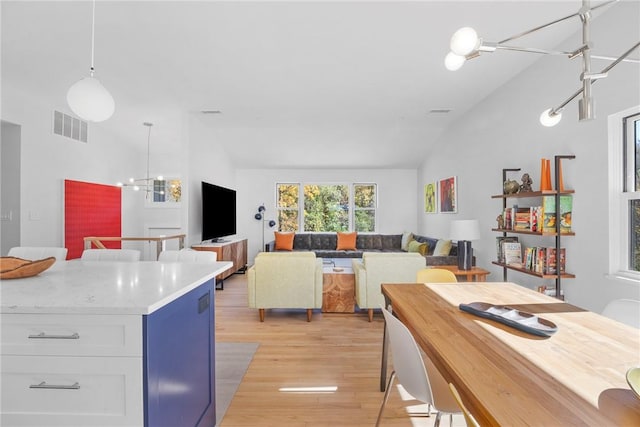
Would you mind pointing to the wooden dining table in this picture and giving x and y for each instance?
(508, 377)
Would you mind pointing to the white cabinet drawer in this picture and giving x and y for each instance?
(73, 391)
(72, 335)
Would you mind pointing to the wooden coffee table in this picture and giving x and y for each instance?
(338, 289)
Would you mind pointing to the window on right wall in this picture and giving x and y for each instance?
(624, 177)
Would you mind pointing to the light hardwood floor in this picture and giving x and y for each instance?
(333, 350)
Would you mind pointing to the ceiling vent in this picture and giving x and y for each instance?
(71, 127)
(440, 111)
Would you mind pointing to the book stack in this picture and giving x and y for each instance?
(522, 219)
(544, 260)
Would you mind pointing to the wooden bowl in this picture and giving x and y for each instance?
(17, 268)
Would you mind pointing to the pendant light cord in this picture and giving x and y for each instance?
(149, 184)
(93, 33)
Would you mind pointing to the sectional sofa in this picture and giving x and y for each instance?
(324, 245)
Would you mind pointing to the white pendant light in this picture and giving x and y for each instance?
(87, 98)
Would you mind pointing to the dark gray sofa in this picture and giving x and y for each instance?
(324, 245)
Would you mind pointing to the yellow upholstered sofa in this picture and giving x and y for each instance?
(376, 268)
(285, 280)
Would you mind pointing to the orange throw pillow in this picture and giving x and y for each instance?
(284, 241)
(346, 241)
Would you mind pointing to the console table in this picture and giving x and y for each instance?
(233, 250)
(160, 241)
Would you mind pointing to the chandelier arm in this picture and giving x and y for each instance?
(621, 58)
(533, 50)
(565, 53)
(554, 22)
(592, 81)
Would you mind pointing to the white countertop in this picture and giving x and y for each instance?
(101, 287)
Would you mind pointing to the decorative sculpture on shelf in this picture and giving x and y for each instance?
(500, 220)
(525, 187)
(511, 187)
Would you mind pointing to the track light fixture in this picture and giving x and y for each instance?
(466, 44)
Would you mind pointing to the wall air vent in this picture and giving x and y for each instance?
(440, 111)
(71, 127)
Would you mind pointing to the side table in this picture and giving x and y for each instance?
(476, 274)
(338, 288)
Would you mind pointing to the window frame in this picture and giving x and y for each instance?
(621, 192)
(352, 198)
(351, 186)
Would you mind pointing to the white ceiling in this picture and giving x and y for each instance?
(299, 84)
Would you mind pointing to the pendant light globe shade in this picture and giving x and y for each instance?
(90, 101)
(464, 41)
(453, 62)
(547, 119)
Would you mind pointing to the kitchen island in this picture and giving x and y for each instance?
(109, 343)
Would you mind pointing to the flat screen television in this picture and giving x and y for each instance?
(218, 212)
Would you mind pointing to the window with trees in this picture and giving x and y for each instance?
(632, 148)
(624, 196)
(326, 207)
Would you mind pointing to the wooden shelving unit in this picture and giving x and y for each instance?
(557, 235)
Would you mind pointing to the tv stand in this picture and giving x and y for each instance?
(234, 250)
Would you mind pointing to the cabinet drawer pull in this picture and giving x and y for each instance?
(43, 384)
(42, 335)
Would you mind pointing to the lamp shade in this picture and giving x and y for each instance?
(465, 229)
(90, 101)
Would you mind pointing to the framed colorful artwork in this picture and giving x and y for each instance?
(448, 195)
(431, 197)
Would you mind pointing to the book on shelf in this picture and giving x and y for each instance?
(499, 247)
(508, 218)
(512, 253)
(551, 261)
(549, 213)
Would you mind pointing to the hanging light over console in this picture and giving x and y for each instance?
(466, 45)
(147, 184)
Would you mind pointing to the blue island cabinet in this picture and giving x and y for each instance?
(179, 361)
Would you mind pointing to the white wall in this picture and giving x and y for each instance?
(207, 161)
(48, 159)
(503, 132)
(396, 202)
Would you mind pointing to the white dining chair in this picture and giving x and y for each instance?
(468, 417)
(129, 255)
(34, 253)
(424, 383)
(188, 256)
(624, 310)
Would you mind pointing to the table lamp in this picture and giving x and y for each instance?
(464, 231)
